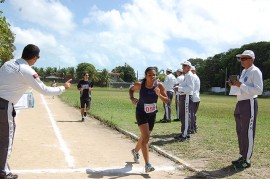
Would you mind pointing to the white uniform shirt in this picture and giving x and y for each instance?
(196, 91)
(16, 76)
(179, 80)
(169, 82)
(187, 86)
(252, 83)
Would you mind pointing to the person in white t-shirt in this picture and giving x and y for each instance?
(179, 80)
(169, 85)
(195, 102)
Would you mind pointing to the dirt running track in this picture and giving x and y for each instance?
(51, 142)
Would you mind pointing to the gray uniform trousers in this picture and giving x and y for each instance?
(245, 117)
(193, 116)
(185, 104)
(167, 107)
(177, 105)
(7, 130)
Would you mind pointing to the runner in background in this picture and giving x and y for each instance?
(146, 108)
(85, 87)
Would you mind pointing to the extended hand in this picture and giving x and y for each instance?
(68, 84)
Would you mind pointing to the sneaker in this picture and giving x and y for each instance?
(242, 164)
(176, 119)
(237, 161)
(84, 114)
(180, 138)
(148, 168)
(82, 119)
(8, 176)
(135, 156)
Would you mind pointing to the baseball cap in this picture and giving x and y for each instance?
(169, 70)
(186, 63)
(249, 53)
(193, 68)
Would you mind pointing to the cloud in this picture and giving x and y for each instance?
(160, 33)
(51, 15)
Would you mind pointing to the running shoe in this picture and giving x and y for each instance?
(135, 156)
(148, 168)
(82, 119)
(84, 114)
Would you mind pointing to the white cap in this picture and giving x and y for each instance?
(186, 63)
(193, 68)
(249, 53)
(169, 70)
(181, 70)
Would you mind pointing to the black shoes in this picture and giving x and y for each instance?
(241, 163)
(82, 119)
(165, 120)
(180, 138)
(8, 176)
(84, 114)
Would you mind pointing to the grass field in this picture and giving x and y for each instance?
(211, 149)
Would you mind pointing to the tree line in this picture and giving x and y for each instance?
(213, 71)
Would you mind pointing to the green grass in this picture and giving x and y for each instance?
(216, 140)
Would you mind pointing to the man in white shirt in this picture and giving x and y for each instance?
(195, 102)
(178, 82)
(16, 77)
(168, 84)
(250, 86)
(186, 92)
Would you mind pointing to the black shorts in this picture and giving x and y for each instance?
(85, 102)
(146, 118)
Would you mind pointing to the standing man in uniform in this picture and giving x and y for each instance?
(195, 102)
(178, 82)
(85, 86)
(186, 92)
(250, 85)
(16, 77)
(169, 84)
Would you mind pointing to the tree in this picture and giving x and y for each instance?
(86, 68)
(127, 73)
(103, 78)
(6, 40)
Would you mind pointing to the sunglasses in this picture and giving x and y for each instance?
(243, 59)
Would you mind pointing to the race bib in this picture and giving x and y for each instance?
(150, 108)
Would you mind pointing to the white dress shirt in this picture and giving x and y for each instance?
(169, 82)
(187, 86)
(196, 90)
(16, 76)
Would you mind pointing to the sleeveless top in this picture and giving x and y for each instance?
(147, 103)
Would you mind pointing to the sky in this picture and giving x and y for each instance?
(140, 33)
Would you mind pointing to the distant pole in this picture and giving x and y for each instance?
(225, 80)
(137, 76)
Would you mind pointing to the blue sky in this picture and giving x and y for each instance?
(141, 33)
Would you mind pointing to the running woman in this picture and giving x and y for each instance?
(149, 92)
(85, 87)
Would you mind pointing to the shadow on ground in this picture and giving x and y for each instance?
(220, 173)
(115, 173)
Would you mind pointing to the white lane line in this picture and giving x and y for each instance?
(63, 146)
(104, 170)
